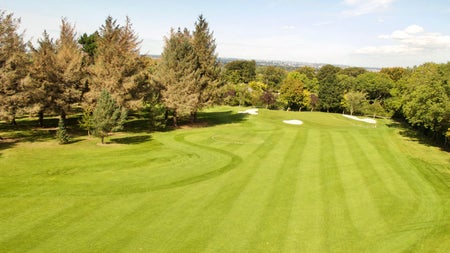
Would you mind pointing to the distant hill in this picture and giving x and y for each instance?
(290, 65)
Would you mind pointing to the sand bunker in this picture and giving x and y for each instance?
(293, 122)
(250, 111)
(367, 120)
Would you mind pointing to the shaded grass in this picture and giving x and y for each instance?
(244, 183)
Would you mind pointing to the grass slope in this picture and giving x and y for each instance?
(249, 184)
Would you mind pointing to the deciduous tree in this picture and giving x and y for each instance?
(426, 101)
(292, 92)
(354, 101)
(240, 71)
(330, 92)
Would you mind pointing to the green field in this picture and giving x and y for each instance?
(244, 183)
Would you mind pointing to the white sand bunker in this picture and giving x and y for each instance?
(293, 122)
(250, 111)
(367, 120)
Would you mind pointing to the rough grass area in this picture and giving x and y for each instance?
(238, 183)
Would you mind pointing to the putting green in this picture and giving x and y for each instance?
(245, 183)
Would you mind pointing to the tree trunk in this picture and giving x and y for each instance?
(13, 120)
(193, 117)
(103, 139)
(192, 120)
(166, 117)
(41, 118)
(175, 123)
(63, 115)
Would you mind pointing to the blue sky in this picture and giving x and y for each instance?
(369, 33)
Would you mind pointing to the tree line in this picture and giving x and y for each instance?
(419, 95)
(106, 70)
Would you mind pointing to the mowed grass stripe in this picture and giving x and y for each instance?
(363, 217)
(389, 204)
(48, 226)
(241, 220)
(306, 225)
(271, 232)
(337, 231)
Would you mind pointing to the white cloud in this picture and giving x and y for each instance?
(390, 49)
(412, 39)
(412, 29)
(362, 7)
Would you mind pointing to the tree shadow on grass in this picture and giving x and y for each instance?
(131, 139)
(140, 124)
(6, 143)
(416, 136)
(221, 118)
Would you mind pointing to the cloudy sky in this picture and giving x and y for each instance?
(368, 33)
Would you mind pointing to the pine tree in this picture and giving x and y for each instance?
(116, 66)
(177, 73)
(68, 67)
(57, 72)
(61, 133)
(86, 122)
(207, 63)
(43, 77)
(107, 116)
(13, 68)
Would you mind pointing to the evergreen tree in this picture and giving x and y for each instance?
(61, 133)
(116, 65)
(13, 68)
(178, 75)
(86, 122)
(89, 43)
(207, 63)
(56, 72)
(68, 64)
(107, 116)
(43, 77)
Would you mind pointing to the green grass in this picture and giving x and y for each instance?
(242, 184)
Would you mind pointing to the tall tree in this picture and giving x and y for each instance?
(44, 77)
(426, 100)
(330, 92)
(292, 92)
(57, 72)
(377, 85)
(107, 116)
(208, 71)
(116, 65)
(69, 71)
(13, 67)
(178, 75)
